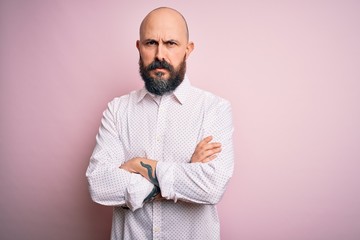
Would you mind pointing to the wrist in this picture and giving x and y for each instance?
(133, 165)
(148, 170)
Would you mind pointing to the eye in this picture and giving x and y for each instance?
(171, 43)
(151, 43)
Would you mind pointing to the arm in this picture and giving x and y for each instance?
(108, 184)
(146, 168)
(204, 152)
(203, 180)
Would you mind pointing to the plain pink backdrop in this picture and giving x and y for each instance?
(290, 68)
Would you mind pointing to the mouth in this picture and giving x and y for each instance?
(159, 72)
(160, 69)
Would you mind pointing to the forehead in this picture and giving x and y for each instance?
(165, 24)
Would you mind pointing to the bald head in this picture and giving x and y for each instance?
(164, 47)
(165, 19)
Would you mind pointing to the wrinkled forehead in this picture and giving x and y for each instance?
(164, 23)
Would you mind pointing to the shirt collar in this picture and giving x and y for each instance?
(181, 93)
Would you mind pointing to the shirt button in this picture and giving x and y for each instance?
(158, 138)
(156, 229)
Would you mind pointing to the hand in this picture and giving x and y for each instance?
(206, 151)
(145, 167)
(131, 165)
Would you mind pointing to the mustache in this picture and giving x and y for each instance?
(159, 64)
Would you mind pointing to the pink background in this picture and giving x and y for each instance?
(290, 68)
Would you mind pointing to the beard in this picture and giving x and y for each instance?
(159, 85)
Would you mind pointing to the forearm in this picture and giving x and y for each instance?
(147, 169)
(143, 166)
(203, 180)
(108, 184)
(112, 186)
(108, 194)
(202, 183)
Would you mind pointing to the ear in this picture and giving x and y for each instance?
(189, 48)
(138, 45)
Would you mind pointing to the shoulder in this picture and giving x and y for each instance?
(210, 100)
(121, 103)
(217, 111)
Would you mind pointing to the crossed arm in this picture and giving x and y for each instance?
(202, 181)
(205, 151)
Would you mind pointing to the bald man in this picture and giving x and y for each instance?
(164, 153)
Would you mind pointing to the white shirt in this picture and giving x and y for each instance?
(167, 129)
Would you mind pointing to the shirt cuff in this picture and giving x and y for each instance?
(165, 176)
(138, 189)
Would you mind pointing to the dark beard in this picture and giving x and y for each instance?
(158, 85)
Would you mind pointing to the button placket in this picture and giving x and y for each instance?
(158, 154)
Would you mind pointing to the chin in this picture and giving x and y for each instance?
(163, 77)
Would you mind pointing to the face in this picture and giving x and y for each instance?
(158, 85)
(163, 46)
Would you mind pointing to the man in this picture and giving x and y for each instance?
(164, 154)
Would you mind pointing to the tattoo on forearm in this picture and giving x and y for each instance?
(153, 179)
(155, 191)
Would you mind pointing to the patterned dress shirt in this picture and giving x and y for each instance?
(166, 129)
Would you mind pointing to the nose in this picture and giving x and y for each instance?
(160, 55)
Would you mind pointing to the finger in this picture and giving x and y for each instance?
(208, 138)
(208, 159)
(205, 141)
(215, 151)
(206, 147)
(125, 167)
(211, 146)
(210, 150)
(209, 153)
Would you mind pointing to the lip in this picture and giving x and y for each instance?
(160, 70)
(159, 73)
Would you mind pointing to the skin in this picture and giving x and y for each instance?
(164, 36)
(205, 151)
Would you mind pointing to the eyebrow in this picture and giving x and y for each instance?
(165, 41)
(172, 40)
(149, 40)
